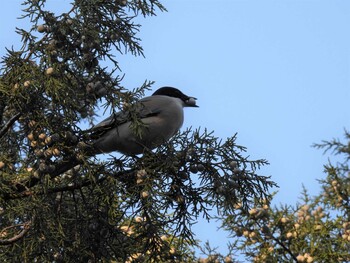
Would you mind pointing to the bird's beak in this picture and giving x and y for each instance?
(191, 102)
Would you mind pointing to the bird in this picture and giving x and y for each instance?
(161, 115)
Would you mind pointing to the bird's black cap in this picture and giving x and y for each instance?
(174, 92)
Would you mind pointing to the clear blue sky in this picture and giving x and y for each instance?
(276, 72)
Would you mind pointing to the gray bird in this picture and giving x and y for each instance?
(161, 114)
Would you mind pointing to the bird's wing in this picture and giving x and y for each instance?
(148, 107)
(143, 109)
(118, 117)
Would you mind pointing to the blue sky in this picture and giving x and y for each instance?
(275, 72)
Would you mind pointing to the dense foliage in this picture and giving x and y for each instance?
(316, 229)
(59, 205)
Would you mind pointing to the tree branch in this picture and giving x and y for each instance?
(60, 169)
(20, 235)
(285, 248)
(9, 124)
(53, 190)
(26, 193)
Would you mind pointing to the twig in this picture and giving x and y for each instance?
(53, 190)
(26, 227)
(24, 191)
(285, 248)
(9, 124)
(24, 186)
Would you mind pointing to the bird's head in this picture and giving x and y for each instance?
(173, 92)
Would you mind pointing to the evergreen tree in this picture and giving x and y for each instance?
(316, 229)
(59, 205)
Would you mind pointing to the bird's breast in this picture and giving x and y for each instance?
(165, 124)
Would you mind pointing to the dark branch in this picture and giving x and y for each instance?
(8, 125)
(22, 189)
(55, 189)
(26, 226)
(122, 175)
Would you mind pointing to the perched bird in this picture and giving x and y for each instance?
(161, 115)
